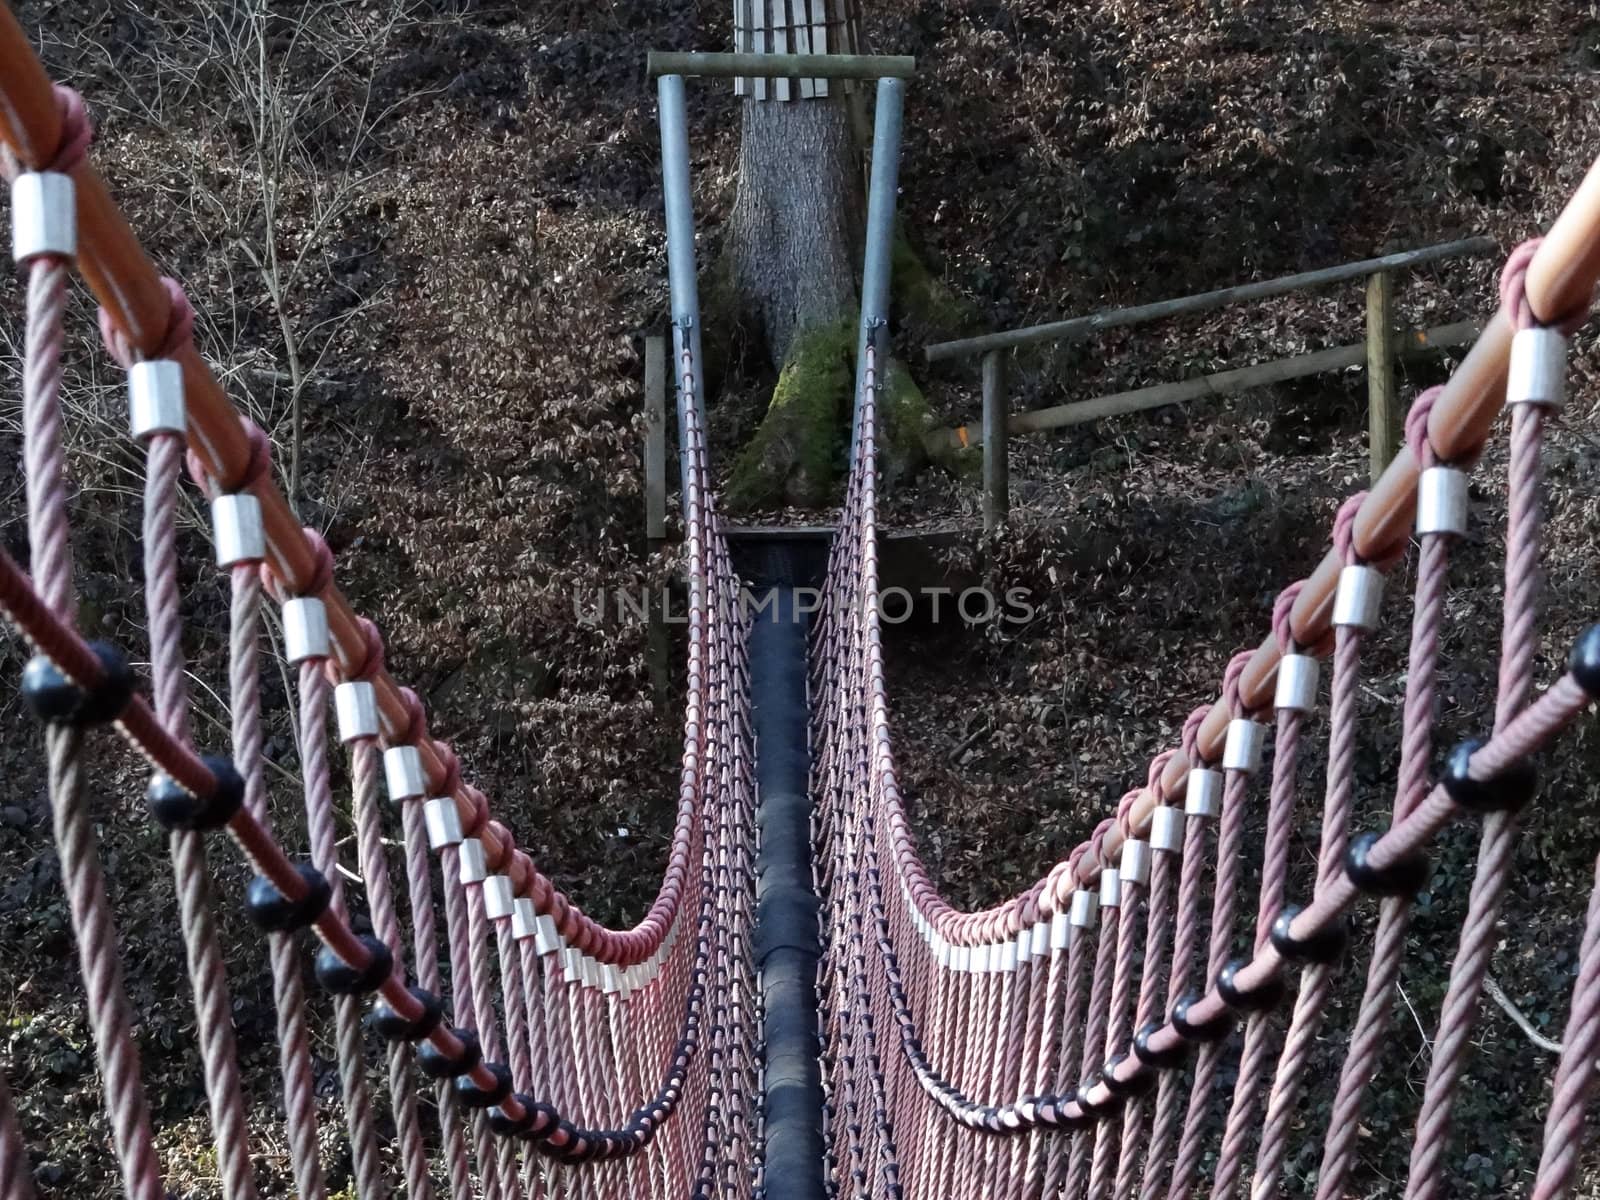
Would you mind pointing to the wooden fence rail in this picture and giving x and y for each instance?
(1382, 347)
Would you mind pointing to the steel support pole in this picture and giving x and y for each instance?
(881, 192)
(679, 203)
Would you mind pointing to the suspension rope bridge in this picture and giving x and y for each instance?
(800, 1013)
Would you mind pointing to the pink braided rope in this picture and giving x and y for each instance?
(318, 788)
(1315, 981)
(380, 902)
(191, 871)
(76, 844)
(16, 1174)
(1519, 643)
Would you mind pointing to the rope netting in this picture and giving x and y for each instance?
(1040, 1048)
(570, 1059)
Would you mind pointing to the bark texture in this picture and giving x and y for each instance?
(795, 234)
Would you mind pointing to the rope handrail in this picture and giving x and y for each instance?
(941, 975)
(126, 284)
(631, 1023)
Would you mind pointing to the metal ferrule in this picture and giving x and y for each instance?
(1538, 370)
(572, 964)
(1247, 741)
(1110, 888)
(589, 971)
(305, 629)
(1039, 939)
(1359, 598)
(1061, 927)
(548, 937)
(1442, 501)
(1135, 862)
(524, 919)
(963, 958)
(943, 955)
(155, 399)
(1297, 683)
(980, 959)
(443, 820)
(1025, 945)
(237, 530)
(402, 771)
(44, 215)
(1166, 829)
(610, 979)
(474, 863)
(1085, 904)
(356, 705)
(1204, 795)
(498, 899)
(1004, 958)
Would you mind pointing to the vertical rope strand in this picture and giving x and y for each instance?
(190, 869)
(76, 845)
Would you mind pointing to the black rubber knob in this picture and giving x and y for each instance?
(1212, 1031)
(1262, 997)
(1405, 878)
(1323, 946)
(1152, 1059)
(396, 1028)
(472, 1095)
(432, 1063)
(1139, 1082)
(269, 909)
(1584, 661)
(520, 1127)
(53, 697)
(1110, 1104)
(344, 979)
(1508, 791)
(174, 807)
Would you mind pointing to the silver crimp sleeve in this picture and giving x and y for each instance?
(1110, 888)
(1247, 741)
(1359, 597)
(1538, 370)
(1297, 683)
(237, 529)
(155, 399)
(1166, 829)
(1203, 797)
(44, 216)
(356, 704)
(402, 772)
(1442, 501)
(443, 821)
(474, 862)
(305, 629)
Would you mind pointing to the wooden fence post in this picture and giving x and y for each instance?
(996, 464)
(655, 507)
(1383, 425)
(655, 439)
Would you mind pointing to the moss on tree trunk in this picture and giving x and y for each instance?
(788, 277)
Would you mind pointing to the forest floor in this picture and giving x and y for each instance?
(473, 200)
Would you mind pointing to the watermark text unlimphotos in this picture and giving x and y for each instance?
(970, 606)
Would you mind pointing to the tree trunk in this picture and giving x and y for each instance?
(796, 227)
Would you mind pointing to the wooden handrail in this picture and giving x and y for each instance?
(1118, 318)
(1221, 383)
